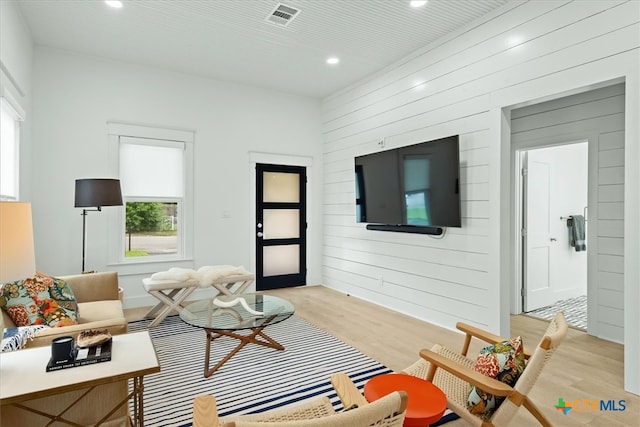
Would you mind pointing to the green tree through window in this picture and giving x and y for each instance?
(151, 218)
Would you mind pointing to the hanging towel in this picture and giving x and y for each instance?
(577, 237)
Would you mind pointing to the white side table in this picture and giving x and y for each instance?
(27, 389)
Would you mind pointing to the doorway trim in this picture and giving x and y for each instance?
(591, 137)
(503, 244)
(256, 157)
(266, 241)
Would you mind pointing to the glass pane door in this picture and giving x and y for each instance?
(280, 226)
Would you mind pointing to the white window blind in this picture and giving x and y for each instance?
(151, 168)
(9, 143)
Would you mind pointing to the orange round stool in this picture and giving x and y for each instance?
(426, 404)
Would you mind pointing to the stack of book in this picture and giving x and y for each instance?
(83, 356)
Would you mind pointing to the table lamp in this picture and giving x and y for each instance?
(17, 256)
(95, 193)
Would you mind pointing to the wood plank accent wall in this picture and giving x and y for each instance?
(598, 113)
(522, 52)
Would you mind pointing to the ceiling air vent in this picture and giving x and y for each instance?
(282, 15)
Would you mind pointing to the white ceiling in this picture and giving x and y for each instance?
(231, 40)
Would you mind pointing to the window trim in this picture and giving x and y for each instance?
(9, 103)
(116, 224)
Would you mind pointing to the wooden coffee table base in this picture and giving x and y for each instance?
(223, 316)
(252, 338)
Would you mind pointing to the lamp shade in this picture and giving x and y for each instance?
(17, 256)
(98, 192)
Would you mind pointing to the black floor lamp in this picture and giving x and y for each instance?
(95, 193)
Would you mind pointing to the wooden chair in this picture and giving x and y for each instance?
(454, 374)
(386, 412)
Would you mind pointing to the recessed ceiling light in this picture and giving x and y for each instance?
(418, 3)
(114, 3)
(419, 85)
(333, 60)
(515, 41)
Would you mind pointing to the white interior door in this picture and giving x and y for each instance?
(537, 238)
(555, 188)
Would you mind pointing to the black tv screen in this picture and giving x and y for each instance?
(415, 185)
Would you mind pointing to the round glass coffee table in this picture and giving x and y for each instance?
(227, 315)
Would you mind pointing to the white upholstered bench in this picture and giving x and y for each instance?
(172, 293)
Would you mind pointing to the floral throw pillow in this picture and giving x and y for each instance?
(19, 305)
(39, 300)
(503, 361)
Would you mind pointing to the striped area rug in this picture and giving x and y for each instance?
(255, 379)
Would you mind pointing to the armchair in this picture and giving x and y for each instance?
(454, 373)
(386, 412)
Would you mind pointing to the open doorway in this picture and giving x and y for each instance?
(553, 200)
(598, 117)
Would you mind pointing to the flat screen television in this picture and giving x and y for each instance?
(417, 185)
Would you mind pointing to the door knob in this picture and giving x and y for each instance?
(553, 239)
(259, 234)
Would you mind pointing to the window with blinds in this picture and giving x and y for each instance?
(152, 177)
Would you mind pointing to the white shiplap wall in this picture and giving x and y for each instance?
(597, 115)
(522, 52)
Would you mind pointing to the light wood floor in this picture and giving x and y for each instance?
(584, 367)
